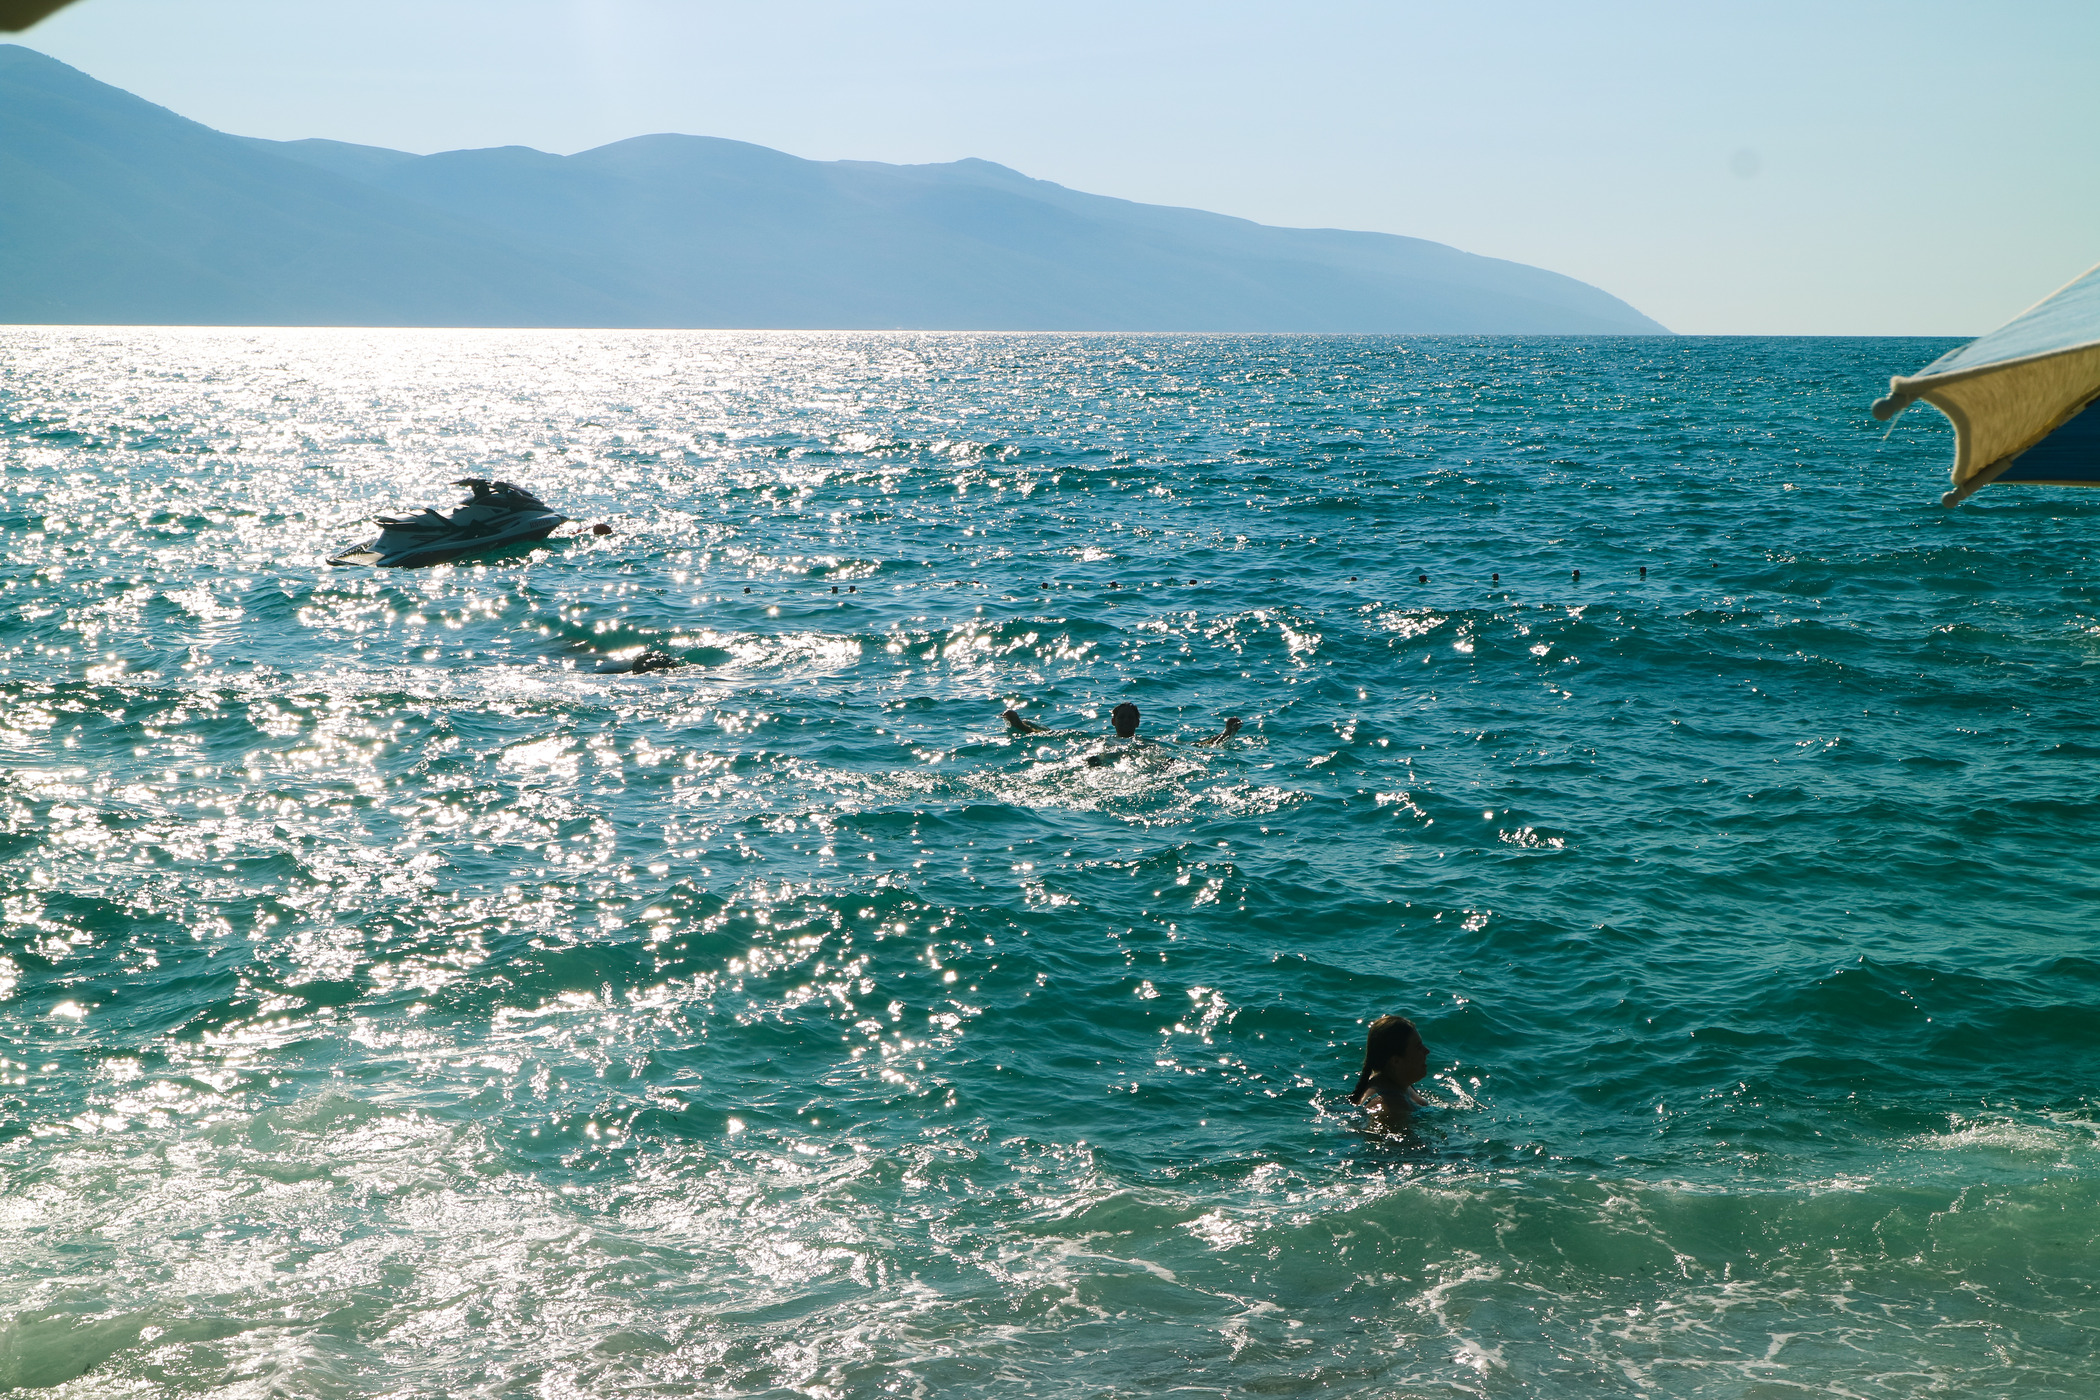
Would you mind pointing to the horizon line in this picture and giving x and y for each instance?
(966, 330)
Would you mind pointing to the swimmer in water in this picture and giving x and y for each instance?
(650, 660)
(1395, 1060)
(1124, 720)
(1022, 726)
(1232, 727)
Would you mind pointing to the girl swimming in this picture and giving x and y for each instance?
(1395, 1059)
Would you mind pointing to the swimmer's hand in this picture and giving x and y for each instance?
(1021, 726)
(1232, 727)
(642, 665)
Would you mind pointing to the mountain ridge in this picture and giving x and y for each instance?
(130, 213)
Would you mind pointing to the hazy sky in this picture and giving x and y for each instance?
(1828, 167)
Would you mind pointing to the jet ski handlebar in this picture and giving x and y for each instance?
(499, 493)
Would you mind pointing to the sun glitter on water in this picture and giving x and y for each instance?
(396, 1005)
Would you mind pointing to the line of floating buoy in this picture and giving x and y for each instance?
(1575, 575)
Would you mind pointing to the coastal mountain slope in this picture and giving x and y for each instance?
(120, 211)
(113, 210)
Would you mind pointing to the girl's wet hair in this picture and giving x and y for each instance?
(1390, 1036)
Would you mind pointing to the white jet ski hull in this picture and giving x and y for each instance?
(417, 552)
(498, 515)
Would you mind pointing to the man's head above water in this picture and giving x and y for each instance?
(1124, 718)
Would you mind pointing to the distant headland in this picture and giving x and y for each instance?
(121, 212)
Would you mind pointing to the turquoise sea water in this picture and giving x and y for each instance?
(394, 1006)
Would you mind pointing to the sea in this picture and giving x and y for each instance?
(394, 1002)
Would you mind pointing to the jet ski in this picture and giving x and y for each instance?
(496, 514)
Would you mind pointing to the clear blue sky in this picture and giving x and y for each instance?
(1833, 167)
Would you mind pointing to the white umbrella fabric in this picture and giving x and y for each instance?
(2018, 396)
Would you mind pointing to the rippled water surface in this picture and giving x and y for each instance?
(395, 1005)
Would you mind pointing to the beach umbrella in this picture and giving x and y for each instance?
(2018, 396)
(17, 15)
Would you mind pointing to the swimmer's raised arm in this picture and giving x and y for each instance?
(1232, 727)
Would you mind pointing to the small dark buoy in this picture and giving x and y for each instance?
(1644, 571)
(1421, 578)
(1496, 578)
(1042, 585)
(601, 528)
(1578, 576)
(747, 588)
